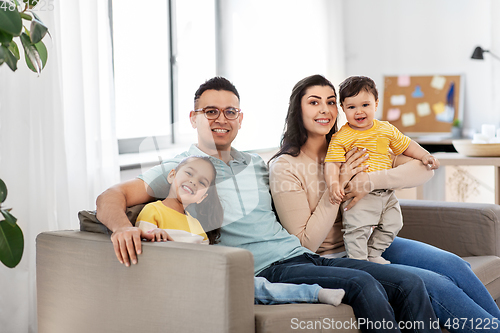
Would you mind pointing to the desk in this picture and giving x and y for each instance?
(460, 160)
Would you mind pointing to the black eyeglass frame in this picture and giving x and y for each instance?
(205, 109)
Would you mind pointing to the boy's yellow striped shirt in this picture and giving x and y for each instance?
(377, 140)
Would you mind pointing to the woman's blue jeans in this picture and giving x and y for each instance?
(370, 289)
(460, 300)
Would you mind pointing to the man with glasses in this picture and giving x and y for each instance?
(243, 185)
(217, 119)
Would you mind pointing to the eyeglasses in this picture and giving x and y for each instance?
(213, 113)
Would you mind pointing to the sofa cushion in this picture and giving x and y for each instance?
(486, 269)
(304, 317)
(90, 223)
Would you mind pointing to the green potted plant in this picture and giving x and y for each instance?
(456, 129)
(13, 16)
(11, 236)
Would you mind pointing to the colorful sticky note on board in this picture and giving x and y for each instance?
(417, 93)
(447, 115)
(404, 80)
(398, 99)
(438, 108)
(423, 109)
(408, 119)
(393, 114)
(438, 82)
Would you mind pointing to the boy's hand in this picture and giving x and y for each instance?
(159, 235)
(430, 162)
(336, 193)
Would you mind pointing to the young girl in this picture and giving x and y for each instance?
(192, 182)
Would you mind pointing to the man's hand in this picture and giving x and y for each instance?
(111, 206)
(430, 162)
(357, 188)
(127, 244)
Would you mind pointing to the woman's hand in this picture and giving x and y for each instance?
(357, 188)
(352, 165)
(159, 235)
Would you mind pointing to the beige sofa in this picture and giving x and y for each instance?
(179, 287)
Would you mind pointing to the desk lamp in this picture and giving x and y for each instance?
(478, 53)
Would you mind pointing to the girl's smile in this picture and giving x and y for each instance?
(191, 181)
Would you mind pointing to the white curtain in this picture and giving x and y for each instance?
(58, 148)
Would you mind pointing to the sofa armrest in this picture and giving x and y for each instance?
(466, 229)
(175, 287)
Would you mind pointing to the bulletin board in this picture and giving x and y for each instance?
(423, 105)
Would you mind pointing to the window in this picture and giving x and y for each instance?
(163, 50)
(263, 51)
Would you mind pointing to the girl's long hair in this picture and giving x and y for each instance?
(209, 212)
(294, 132)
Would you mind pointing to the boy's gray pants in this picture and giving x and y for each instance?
(379, 209)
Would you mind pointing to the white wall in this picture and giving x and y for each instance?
(268, 46)
(391, 37)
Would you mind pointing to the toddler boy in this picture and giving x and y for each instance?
(380, 208)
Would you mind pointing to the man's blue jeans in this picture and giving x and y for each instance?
(370, 289)
(460, 300)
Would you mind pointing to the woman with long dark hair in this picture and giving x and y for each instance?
(302, 202)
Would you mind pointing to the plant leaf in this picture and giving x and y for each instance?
(8, 216)
(3, 190)
(14, 49)
(35, 16)
(11, 244)
(2, 60)
(26, 16)
(38, 31)
(31, 3)
(31, 54)
(10, 19)
(5, 37)
(9, 59)
(38, 18)
(40, 54)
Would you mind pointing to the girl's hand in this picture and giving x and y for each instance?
(352, 165)
(159, 235)
(357, 188)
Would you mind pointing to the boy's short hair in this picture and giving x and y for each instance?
(216, 83)
(354, 84)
